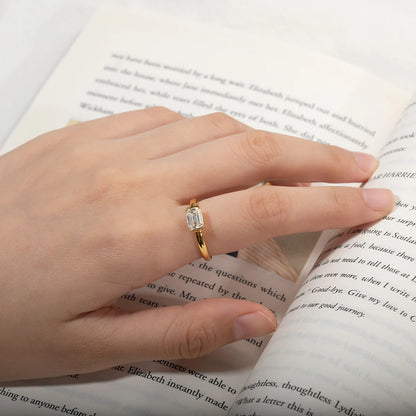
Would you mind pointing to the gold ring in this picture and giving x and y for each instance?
(195, 223)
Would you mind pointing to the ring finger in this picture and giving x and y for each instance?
(239, 219)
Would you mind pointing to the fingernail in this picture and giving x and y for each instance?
(379, 199)
(253, 325)
(366, 162)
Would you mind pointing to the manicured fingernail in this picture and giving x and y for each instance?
(366, 162)
(253, 325)
(379, 199)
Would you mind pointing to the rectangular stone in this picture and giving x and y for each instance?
(194, 218)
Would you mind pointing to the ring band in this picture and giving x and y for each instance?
(195, 223)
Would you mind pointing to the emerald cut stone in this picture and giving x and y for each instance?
(194, 218)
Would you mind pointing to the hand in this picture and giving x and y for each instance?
(94, 210)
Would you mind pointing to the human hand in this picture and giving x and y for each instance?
(91, 211)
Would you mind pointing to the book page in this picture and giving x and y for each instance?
(128, 60)
(346, 345)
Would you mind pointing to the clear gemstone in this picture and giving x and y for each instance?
(194, 218)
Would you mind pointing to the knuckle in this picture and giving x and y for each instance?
(164, 112)
(198, 340)
(221, 121)
(259, 148)
(268, 207)
(338, 158)
(340, 201)
(195, 339)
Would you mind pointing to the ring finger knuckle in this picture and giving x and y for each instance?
(268, 207)
(341, 202)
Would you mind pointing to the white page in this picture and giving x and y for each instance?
(348, 340)
(307, 91)
(274, 86)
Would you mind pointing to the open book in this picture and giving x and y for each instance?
(346, 343)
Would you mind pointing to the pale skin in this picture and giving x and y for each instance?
(91, 211)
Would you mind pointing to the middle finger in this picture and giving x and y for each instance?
(245, 159)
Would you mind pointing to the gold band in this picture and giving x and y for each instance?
(202, 246)
(195, 223)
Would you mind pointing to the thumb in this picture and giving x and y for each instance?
(186, 331)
